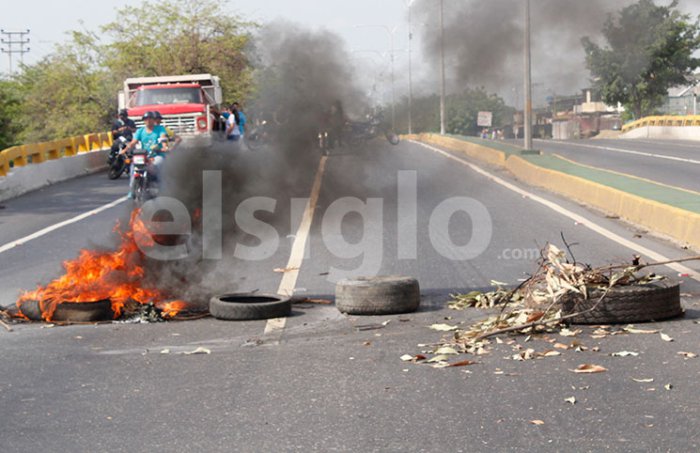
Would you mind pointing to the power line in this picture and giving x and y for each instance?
(15, 43)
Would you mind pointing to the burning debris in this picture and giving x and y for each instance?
(101, 285)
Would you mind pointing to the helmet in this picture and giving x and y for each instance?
(148, 115)
(123, 112)
(158, 116)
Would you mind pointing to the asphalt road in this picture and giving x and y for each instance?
(326, 383)
(672, 162)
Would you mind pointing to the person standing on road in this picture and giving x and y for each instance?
(233, 131)
(241, 119)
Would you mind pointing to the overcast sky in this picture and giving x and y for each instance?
(49, 20)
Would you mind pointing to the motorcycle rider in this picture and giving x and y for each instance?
(151, 137)
(171, 135)
(122, 127)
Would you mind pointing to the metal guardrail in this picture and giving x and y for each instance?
(36, 153)
(667, 121)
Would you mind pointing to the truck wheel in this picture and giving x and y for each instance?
(627, 304)
(246, 306)
(377, 295)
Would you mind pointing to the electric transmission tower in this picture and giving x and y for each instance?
(15, 43)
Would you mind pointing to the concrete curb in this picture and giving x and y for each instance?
(22, 180)
(676, 223)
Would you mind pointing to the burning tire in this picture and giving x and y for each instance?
(71, 311)
(244, 307)
(377, 295)
(627, 304)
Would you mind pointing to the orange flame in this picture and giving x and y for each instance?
(98, 275)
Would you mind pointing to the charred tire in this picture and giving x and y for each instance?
(627, 304)
(244, 306)
(377, 295)
(71, 311)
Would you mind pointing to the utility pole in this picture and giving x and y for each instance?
(410, 74)
(15, 43)
(528, 81)
(442, 67)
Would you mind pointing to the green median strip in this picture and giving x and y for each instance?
(678, 198)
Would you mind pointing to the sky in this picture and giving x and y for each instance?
(363, 24)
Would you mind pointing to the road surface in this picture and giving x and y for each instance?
(325, 382)
(671, 162)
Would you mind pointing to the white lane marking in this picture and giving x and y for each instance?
(629, 151)
(641, 250)
(670, 143)
(289, 279)
(47, 230)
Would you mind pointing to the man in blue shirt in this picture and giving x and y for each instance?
(151, 136)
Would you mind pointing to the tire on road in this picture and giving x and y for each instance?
(71, 311)
(393, 138)
(627, 304)
(377, 295)
(247, 306)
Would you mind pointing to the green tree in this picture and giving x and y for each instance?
(66, 93)
(461, 110)
(181, 37)
(10, 101)
(649, 49)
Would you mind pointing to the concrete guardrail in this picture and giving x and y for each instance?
(29, 167)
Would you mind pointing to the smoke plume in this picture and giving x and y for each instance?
(484, 42)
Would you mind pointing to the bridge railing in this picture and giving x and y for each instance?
(667, 120)
(36, 153)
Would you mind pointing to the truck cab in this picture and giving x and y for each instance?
(190, 104)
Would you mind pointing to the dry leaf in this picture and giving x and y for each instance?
(569, 333)
(571, 400)
(551, 353)
(665, 337)
(444, 327)
(406, 358)
(668, 386)
(199, 350)
(632, 329)
(561, 346)
(282, 270)
(446, 350)
(688, 355)
(439, 358)
(536, 422)
(536, 316)
(625, 354)
(643, 380)
(589, 368)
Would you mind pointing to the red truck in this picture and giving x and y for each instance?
(190, 104)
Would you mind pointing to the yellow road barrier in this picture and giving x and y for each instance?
(36, 153)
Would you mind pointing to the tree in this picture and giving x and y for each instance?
(10, 98)
(66, 93)
(462, 112)
(181, 37)
(649, 49)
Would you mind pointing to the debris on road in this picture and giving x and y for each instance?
(588, 368)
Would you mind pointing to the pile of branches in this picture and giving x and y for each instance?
(536, 304)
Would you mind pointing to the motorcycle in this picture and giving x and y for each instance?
(362, 131)
(145, 184)
(118, 162)
(257, 137)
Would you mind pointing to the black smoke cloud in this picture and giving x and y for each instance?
(300, 73)
(484, 42)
